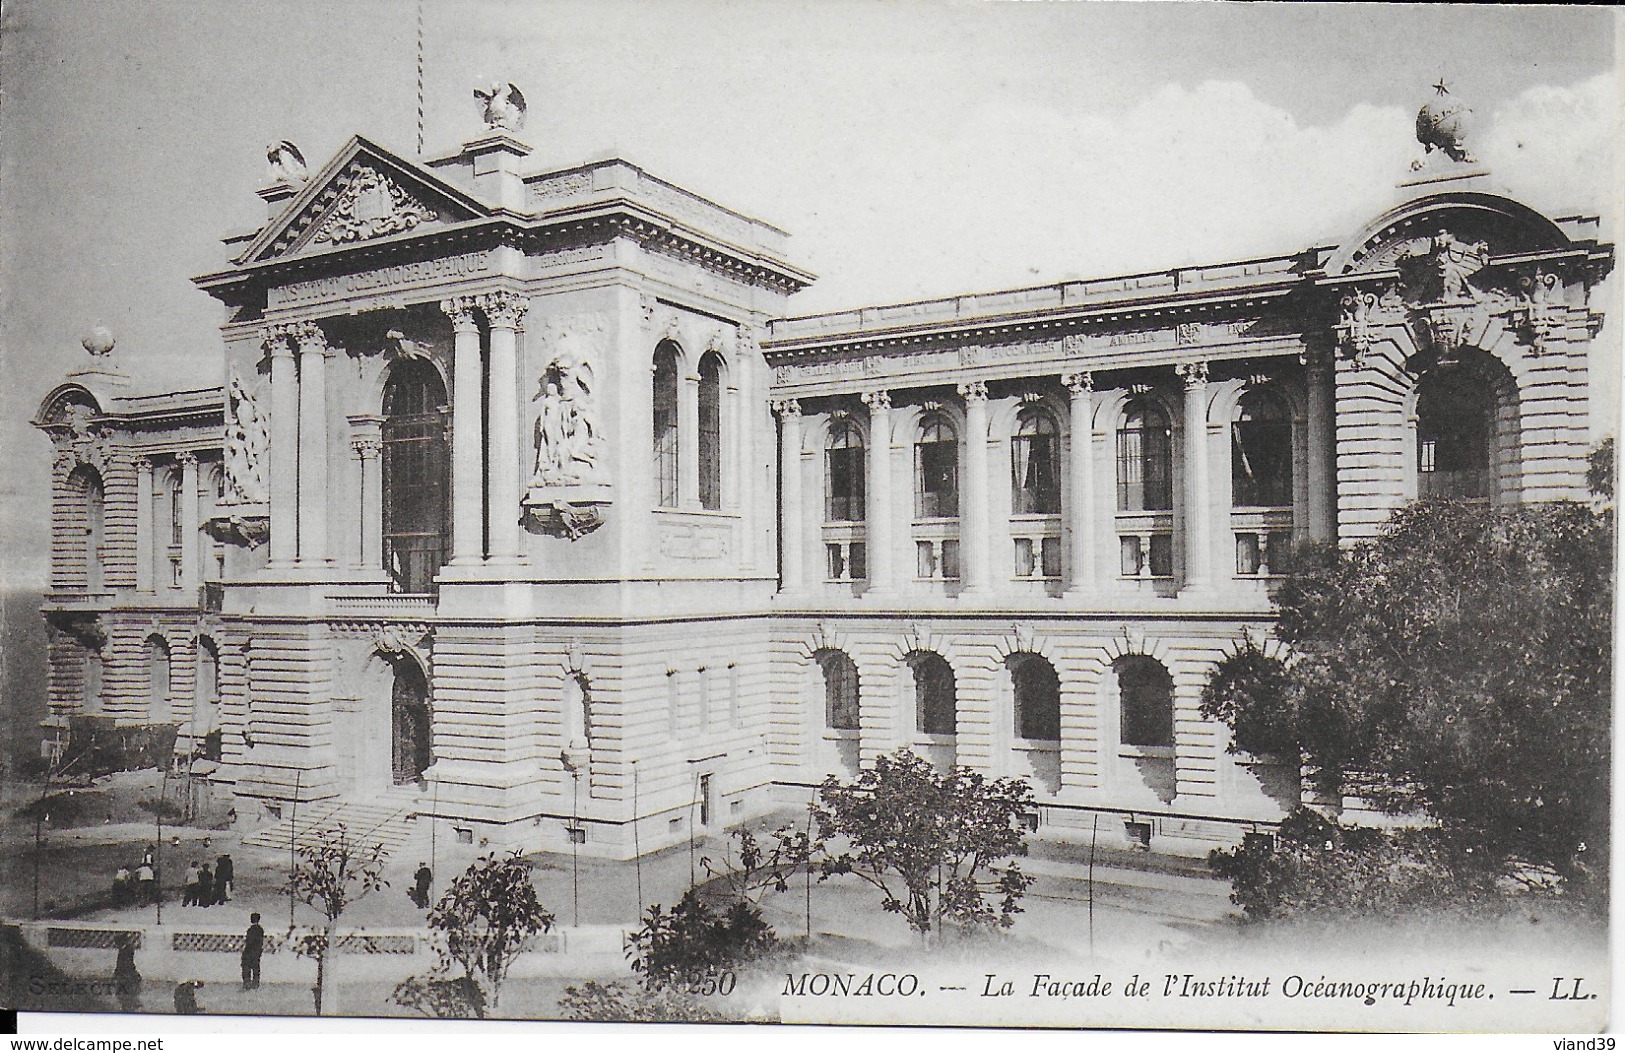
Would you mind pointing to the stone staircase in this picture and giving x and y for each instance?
(386, 821)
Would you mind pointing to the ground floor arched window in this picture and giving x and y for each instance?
(1037, 692)
(840, 690)
(410, 722)
(1146, 700)
(1455, 435)
(936, 706)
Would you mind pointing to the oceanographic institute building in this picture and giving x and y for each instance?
(523, 508)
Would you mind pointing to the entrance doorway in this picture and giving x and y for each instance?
(409, 723)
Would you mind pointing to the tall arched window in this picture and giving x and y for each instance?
(1035, 465)
(1145, 477)
(158, 679)
(1261, 453)
(206, 701)
(1455, 413)
(844, 474)
(1037, 693)
(936, 462)
(410, 723)
(840, 690)
(1146, 701)
(936, 706)
(665, 425)
(710, 409)
(416, 475)
(86, 516)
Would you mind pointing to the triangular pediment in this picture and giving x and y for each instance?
(364, 193)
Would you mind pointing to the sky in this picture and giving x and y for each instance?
(912, 148)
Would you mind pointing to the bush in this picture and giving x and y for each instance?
(693, 940)
(1316, 865)
(620, 1002)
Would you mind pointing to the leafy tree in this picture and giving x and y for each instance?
(1455, 668)
(680, 947)
(931, 843)
(484, 921)
(331, 873)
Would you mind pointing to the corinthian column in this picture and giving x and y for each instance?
(878, 495)
(282, 459)
(1198, 505)
(313, 494)
(504, 310)
(144, 528)
(467, 434)
(189, 518)
(1080, 513)
(973, 511)
(792, 558)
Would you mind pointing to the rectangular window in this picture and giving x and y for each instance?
(950, 559)
(1278, 552)
(1050, 557)
(925, 559)
(1129, 547)
(857, 561)
(939, 480)
(1162, 555)
(837, 561)
(1024, 557)
(846, 481)
(707, 803)
(1246, 554)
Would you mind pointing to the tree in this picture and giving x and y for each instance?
(331, 873)
(485, 920)
(931, 843)
(1456, 669)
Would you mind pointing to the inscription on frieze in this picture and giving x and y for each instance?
(320, 289)
(693, 540)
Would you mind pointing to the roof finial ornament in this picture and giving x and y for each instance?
(99, 341)
(287, 163)
(1441, 124)
(502, 106)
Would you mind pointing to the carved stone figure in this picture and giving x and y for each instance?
(567, 439)
(246, 441)
(502, 106)
(371, 206)
(287, 163)
(1441, 124)
(1455, 261)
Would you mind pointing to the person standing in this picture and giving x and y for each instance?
(189, 881)
(253, 948)
(121, 886)
(205, 886)
(126, 978)
(420, 885)
(224, 875)
(146, 882)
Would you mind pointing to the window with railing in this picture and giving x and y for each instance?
(665, 425)
(1145, 493)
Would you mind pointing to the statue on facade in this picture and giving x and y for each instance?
(1454, 261)
(1441, 124)
(287, 163)
(246, 441)
(502, 106)
(567, 438)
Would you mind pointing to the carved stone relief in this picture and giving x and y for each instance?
(568, 486)
(371, 205)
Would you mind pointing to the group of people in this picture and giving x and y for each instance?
(127, 978)
(205, 887)
(137, 884)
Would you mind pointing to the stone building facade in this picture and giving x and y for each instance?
(524, 506)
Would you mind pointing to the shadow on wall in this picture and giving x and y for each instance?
(22, 692)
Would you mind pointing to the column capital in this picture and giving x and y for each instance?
(787, 408)
(141, 463)
(1194, 374)
(974, 391)
(460, 309)
(877, 401)
(277, 341)
(186, 459)
(1079, 383)
(310, 337)
(367, 447)
(504, 309)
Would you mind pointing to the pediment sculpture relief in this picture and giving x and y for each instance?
(370, 206)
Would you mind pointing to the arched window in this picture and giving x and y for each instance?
(416, 475)
(1454, 427)
(86, 516)
(936, 706)
(1261, 453)
(578, 709)
(840, 690)
(158, 679)
(936, 462)
(1035, 465)
(665, 425)
(1037, 692)
(409, 722)
(1146, 700)
(206, 704)
(710, 407)
(1145, 478)
(843, 474)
